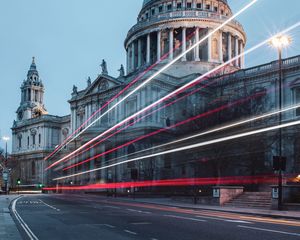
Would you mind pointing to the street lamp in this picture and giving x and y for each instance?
(5, 139)
(280, 42)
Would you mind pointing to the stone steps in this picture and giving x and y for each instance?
(260, 200)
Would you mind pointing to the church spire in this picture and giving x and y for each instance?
(33, 74)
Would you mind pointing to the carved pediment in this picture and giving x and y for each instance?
(101, 84)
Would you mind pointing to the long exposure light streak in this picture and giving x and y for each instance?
(236, 124)
(270, 179)
(189, 147)
(206, 114)
(80, 128)
(163, 69)
(133, 123)
(184, 87)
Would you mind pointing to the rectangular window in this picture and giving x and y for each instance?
(33, 139)
(179, 5)
(208, 7)
(215, 9)
(20, 142)
(199, 5)
(297, 100)
(28, 142)
(189, 5)
(40, 138)
(153, 11)
(169, 7)
(160, 9)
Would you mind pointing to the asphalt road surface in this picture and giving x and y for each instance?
(83, 217)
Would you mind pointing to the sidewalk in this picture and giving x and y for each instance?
(8, 229)
(251, 211)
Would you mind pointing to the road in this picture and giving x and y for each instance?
(92, 217)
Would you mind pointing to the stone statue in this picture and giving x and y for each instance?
(122, 71)
(89, 82)
(74, 89)
(104, 67)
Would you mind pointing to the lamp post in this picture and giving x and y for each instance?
(280, 42)
(5, 139)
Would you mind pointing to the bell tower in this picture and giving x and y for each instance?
(32, 95)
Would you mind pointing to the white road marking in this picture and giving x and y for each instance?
(186, 218)
(108, 225)
(270, 230)
(130, 232)
(141, 223)
(139, 211)
(27, 230)
(49, 205)
(237, 221)
(111, 207)
(225, 220)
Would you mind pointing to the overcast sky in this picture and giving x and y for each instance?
(69, 38)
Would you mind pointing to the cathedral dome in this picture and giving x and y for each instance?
(169, 27)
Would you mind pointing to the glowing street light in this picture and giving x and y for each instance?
(280, 42)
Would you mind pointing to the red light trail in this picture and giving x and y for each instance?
(167, 128)
(241, 180)
(168, 65)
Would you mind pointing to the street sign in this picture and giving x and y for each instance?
(5, 176)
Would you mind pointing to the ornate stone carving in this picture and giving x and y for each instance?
(104, 67)
(33, 131)
(122, 71)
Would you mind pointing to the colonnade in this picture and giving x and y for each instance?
(148, 48)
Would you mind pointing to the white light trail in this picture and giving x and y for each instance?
(213, 130)
(191, 83)
(165, 68)
(197, 145)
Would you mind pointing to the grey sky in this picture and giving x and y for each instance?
(69, 38)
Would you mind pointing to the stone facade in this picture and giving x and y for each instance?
(160, 23)
(35, 133)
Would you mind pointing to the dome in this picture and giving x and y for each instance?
(168, 28)
(146, 1)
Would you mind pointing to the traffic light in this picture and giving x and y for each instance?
(19, 181)
(40, 185)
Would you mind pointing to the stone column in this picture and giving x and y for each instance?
(229, 49)
(139, 52)
(148, 49)
(133, 56)
(197, 58)
(184, 43)
(171, 47)
(221, 47)
(128, 60)
(243, 57)
(236, 51)
(193, 3)
(209, 47)
(158, 45)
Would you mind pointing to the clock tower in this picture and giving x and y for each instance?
(32, 95)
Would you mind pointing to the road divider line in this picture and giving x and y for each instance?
(49, 205)
(186, 218)
(270, 230)
(22, 223)
(130, 232)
